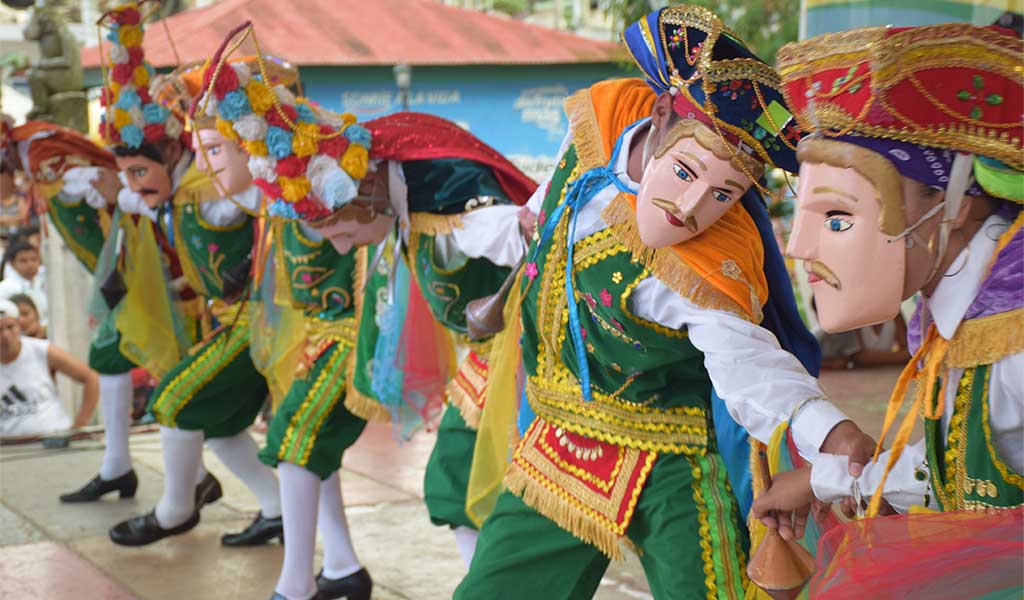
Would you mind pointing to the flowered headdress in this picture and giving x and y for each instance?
(687, 51)
(131, 117)
(917, 96)
(305, 159)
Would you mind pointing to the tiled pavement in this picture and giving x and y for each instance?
(50, 551)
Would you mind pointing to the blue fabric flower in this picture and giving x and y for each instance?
(112, 35)
(154, 113)
(280, 208)
(279, 142)
(306, 114)
(132, 136)
(358, 135)
(339, 189)
(234, 105)
(128, 99)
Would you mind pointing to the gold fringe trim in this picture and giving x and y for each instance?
(364, 407)
(461, 399)
(431, 224)
(356, 402)
(586, 134)
(666, 266)
(551, 504)
(986, 340)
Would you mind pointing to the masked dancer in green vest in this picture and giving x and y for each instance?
(911, 183)
(642, 296)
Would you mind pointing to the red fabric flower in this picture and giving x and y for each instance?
(122, 73)
(227, 81)
(135, 55)
(311, 210)
(154, 132)
(144, 96)
(275, 119)
(271, 190)
(333, 147)
(293, 166)
(104, 97)
(129, 16)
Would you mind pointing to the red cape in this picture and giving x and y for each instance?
(417, 136)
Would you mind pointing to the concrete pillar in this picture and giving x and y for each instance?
(67, 287)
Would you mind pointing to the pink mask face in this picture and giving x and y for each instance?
(346, 233)
(222, 159)
(684, 192)
(147, 178)
(855, 270)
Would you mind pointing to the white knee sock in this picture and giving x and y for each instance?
(239, 453)
(299, 491)
(183, 451)
(339, 555)
(116, 403)
(465, 541)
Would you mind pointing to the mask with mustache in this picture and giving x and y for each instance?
(685, 190)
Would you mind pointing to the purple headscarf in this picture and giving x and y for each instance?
(925, 164)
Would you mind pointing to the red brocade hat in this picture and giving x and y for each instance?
(954, 86)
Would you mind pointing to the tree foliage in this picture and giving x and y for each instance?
(765, 25)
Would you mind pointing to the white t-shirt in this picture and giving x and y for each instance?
(28, 396)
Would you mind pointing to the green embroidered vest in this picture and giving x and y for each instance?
(967, 471)
(320, 280)
(83, 228)
(448, 291)
(649, 383)
(216, 260)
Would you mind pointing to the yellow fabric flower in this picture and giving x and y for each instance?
(293, 189)
(304, 141)
(261, 99)
(255, 147)
(121, 118)
(355, 161)
(224, 127)
(130, 36)
(140, 77)
(348, 118)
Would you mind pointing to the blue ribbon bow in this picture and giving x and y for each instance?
(580, 192)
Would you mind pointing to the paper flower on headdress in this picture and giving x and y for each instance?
(716, 79)
(131, 117)
(307, 160)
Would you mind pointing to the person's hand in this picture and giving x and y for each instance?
(786, 504)
(527, 223)
(847, 439)
(108, 185)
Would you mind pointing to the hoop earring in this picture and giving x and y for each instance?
(967, 258)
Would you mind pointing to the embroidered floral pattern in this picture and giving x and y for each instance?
(975, 95)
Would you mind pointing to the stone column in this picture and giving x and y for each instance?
(67, 288)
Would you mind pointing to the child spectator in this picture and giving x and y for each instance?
(28, 396)
(19, 274)
(28, 317)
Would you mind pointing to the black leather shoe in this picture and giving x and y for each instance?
(125, 485)
(259, 532)
(208, 491)
(143, 530)
(356, 586)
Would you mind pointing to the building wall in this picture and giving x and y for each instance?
(515, 109)
(826, 16)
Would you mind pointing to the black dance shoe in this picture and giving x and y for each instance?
(259, 532)
(144, 530)
(208, 491)
(356, 586)
(125, 485)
